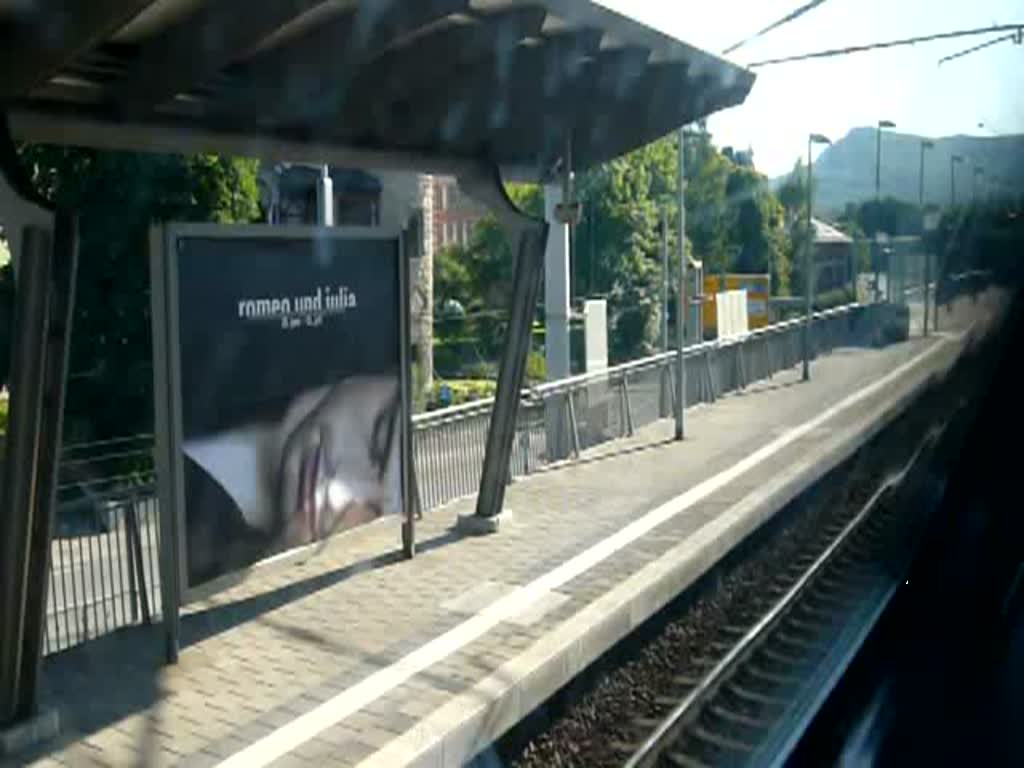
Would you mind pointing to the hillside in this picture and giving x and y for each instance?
(845, 171)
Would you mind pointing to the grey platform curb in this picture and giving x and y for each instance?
(473, 720)
(18, 738)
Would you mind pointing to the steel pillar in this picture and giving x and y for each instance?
(37, 375)
(56, 349)
(528, 236)
(21, 468)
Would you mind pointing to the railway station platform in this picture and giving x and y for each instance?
(355, 656)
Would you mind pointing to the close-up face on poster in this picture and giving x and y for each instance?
(289, 361)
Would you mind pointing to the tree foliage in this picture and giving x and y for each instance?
(117, 197)
(793, 191)
(889, 215)
(733, 223)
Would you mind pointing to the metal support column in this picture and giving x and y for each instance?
(528, 236)
(56, 348)
(20, 477)
(808, 273)
(512, 372)
(665, 378)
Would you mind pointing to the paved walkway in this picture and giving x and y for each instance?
(357, 655)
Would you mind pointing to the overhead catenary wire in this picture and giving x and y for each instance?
(832, 52)
(1015, 36)
(792, 16)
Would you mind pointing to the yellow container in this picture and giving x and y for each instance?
(758, 288)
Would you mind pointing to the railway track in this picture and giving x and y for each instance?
(753, 693)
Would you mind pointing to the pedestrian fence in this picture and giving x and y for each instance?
(104, 558)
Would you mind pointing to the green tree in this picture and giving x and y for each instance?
(708, 215)
(889, 215)
(793, 192)
(117, 197)
(529, 198)
(618, 241)
(756, 227)
(734, 223)
(849, 223)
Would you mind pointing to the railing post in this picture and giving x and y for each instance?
(135, 563)
(671, 385)
(627, 407)
(574, 430)
(741, 368)
(667, 396)
(712, 388)
(524, 447)
(129, 556)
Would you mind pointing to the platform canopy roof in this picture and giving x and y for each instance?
(400, 83)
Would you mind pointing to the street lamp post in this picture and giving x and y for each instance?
(878, 199)
(812, 139)
(953, 160)
(925, 144)
(681, 313)
(878, 155)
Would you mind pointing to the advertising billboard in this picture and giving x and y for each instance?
(281, 366)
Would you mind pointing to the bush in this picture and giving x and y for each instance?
(536, 367)
(835, 298)
(460, 391)
(481, 369)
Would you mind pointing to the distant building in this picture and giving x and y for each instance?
(833, 257)
(390, 199)
(455, 214)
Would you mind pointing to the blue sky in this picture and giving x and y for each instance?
(831, 96)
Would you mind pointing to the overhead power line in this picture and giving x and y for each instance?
(775, 25)
(887, 44)
(1015, 36)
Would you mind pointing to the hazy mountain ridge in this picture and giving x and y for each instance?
(845, 171)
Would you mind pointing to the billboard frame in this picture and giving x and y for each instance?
(167, 395)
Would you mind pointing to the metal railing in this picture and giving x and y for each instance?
(557, 420)
(104, 564)
(104, 557)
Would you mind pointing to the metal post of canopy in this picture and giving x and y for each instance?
(528, 237)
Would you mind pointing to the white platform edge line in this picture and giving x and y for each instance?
(683, 559)
(305, 727)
